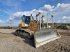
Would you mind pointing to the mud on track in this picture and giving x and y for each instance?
(12, 43)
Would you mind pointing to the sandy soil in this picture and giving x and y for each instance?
(12, 43)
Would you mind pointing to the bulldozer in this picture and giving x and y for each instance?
(31, 28)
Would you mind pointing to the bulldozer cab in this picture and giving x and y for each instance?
(26, 19)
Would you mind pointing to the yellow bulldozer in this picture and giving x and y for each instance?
(31, 28)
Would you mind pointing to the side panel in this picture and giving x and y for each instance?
(33, 26)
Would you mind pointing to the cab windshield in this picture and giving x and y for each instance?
(26, 19)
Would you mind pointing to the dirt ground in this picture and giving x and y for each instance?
(12, 43)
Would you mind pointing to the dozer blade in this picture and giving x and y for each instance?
(44, 36)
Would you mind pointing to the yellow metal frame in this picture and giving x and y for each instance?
(47, 20)
(40, 20)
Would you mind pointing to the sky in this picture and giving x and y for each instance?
(12, 10)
